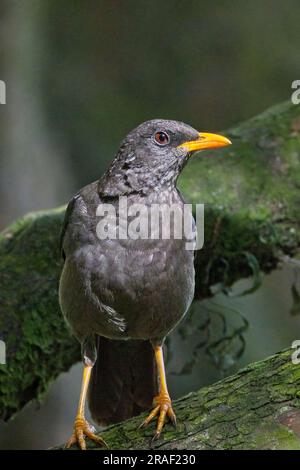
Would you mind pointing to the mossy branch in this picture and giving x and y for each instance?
(257, 408)
(251, 193)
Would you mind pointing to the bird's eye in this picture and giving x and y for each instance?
(161, 138)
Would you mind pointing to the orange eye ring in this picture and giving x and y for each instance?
(161, 138)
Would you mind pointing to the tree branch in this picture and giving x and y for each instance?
(257, 408)
(251, 193)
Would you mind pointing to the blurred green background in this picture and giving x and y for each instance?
(80, 74)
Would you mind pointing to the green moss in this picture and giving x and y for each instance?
(273, 437)
(37, 343)
(251, 193)
(246, 411)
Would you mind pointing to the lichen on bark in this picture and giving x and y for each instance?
(257, 408)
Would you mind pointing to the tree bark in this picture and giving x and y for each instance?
(251, 196)
(257, 408)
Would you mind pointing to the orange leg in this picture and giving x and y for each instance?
(162, 403)
(81, 427)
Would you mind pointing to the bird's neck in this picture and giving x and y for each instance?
(124, 180)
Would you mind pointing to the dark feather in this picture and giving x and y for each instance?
(124, 380)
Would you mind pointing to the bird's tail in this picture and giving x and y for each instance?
(124, 380)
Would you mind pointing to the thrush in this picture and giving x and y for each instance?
(121, 296)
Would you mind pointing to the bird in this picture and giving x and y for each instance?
(122, 296)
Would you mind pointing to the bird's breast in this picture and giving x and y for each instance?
(151, 286)
(142, 281)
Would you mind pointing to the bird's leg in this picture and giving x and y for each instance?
(162, 403)
(81, 427)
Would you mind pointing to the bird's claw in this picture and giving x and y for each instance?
(163, 409)
(82, 429)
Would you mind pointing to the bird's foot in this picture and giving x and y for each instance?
(163, 409)
(81, 429)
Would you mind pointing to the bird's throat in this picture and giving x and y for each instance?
(141, 181)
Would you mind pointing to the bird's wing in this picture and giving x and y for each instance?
(68, 213)
(80, 242)
(78, 214)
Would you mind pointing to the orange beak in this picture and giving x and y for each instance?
(205, 141)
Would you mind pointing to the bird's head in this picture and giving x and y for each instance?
(154, 153)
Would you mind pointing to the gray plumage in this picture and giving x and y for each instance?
(126, 289)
